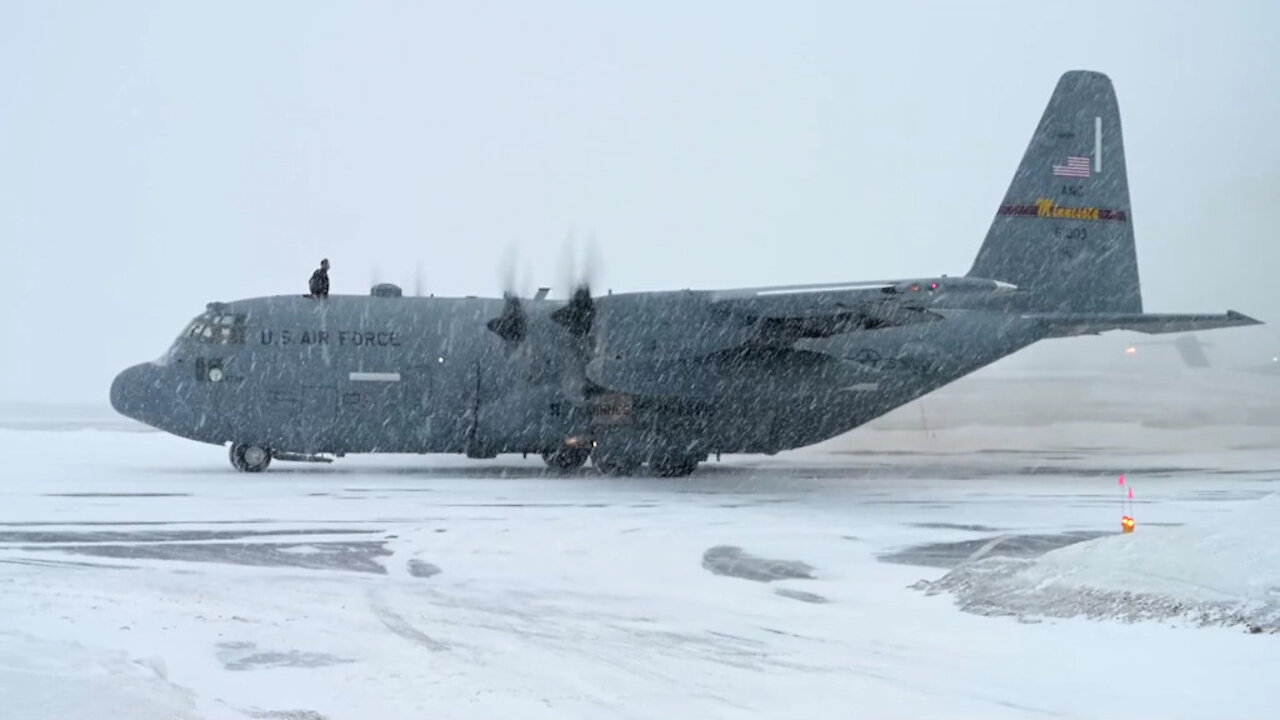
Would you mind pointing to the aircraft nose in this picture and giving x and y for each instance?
(131, 391)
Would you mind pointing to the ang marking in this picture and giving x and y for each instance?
(1046, 208)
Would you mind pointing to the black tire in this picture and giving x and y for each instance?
(567, 458)
(673, 466)
(615, 464)
(246, 457)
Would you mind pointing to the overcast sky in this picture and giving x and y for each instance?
(157, 156)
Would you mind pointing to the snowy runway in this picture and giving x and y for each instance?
(140, 577)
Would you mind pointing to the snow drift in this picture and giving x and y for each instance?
(1223, 572)
(47, 679)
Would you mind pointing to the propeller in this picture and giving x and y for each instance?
(578, 315)
(512, 323)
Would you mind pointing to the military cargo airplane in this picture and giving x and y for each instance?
(665, 378)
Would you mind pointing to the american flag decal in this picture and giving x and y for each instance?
(1075, 167)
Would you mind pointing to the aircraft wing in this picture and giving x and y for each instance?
(786, 314)
(1067, 324)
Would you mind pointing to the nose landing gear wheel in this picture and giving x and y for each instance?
(250, 458)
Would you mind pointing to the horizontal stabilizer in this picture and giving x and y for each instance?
(1068, 324)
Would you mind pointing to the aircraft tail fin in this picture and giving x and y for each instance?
(1064, 233)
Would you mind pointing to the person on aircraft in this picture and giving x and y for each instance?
(320, 280)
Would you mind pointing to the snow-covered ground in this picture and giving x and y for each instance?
(140, 577)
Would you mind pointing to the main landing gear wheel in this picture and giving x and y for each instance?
(250, 458)
(673, 466)
(615, 464)
(566, 458)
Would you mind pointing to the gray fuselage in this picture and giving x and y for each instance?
(359, 374)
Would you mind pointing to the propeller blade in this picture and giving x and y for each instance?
(568, 260)
(508, 271)
(578, 316)
(511, 325)
(592, 262)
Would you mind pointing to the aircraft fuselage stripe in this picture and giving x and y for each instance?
(374, 377)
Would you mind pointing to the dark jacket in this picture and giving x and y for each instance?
(320, 283)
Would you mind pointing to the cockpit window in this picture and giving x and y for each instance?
(216, 329)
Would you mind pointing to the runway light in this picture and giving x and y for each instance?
(1127, 522)
(1131, 350)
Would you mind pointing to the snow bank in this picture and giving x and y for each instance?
(42, 679)
(1222, 573)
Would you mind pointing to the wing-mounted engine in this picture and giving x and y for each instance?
(701, 344)
(694, 345)
(547, 346)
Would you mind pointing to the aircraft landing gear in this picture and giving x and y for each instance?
(673, 465)
(250, 458)
(615, 463)
(566, 458)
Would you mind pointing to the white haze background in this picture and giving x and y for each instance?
(156, 156)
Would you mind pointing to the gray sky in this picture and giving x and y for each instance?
(156, 156)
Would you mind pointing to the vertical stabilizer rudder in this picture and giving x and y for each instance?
(1064, 232)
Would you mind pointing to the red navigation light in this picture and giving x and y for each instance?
(933, 286)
